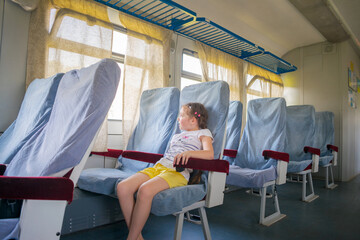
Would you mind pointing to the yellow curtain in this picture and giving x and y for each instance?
(146, 66)
(268, 84)
(217, 65)
(61, 39)
(255, 70)
(57, 33)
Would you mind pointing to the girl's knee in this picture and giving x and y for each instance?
(123, 189)
(145, 193)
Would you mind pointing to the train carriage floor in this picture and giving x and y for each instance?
(334, 215)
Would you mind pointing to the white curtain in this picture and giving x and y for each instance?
(146, 66)
(218, 65)
(61, 39)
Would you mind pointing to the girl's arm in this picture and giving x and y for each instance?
(207, 152)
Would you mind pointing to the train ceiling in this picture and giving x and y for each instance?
(283, 25)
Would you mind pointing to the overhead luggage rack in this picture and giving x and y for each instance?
(218, 37)
(160, 12)
(175, 17)
(271, 62)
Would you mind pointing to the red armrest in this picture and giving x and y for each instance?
(276, 155)
(142, 156)
(332, 147)
(2, 169)
(312, 150)
(114, 153)
(230, 153)
(207, 165)
(39, 188)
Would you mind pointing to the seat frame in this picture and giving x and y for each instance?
(281, 179)
(307, 173)
(214, 197)
(333, 162)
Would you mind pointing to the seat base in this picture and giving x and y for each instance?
(273, 219)
(257, 193)
(203, 219)
(311, 196)
(89, 210)
(276, 215)
(331, 186)
(193, 218)
(231, 188)
(328, 185)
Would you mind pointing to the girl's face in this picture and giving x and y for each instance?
(186, 122)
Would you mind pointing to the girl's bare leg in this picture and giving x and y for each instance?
(125, 192)
(141, 211)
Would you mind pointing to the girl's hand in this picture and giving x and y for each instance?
(182, 158)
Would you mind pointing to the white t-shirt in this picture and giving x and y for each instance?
(184, 141)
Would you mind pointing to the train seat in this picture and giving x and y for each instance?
(47, 167)
(233, 130)
(209, 193)
(304, 158)
(263, 143)
(34, 113)
(324, 140)
(158, 113)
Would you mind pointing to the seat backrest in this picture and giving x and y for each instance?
(300, 128)
(324, 131)
(34, 113)
(233, 127)
(158, 113)
(83, 99)
(215, 97)
(265, 129)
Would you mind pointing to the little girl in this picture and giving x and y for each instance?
(194, 141)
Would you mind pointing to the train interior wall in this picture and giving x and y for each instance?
(321, 80)
(14, 27)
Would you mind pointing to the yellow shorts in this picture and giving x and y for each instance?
(172, 177)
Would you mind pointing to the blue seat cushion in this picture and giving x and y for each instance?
(101, 180)
(298, 166)
(325, 160)
(250, 178)
(9, 228)
(174, 200)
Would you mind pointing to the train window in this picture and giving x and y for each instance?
(119, 42)
(118, 54)
(259, 87)
(253, 88)
(191, 72)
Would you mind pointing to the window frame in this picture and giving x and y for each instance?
(187, 74)
(119, 58)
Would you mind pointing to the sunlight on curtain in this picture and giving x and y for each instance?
(61, 39)
(262, 83)
(146, 66)
(77, 41)
(255, 70)
(217, 65)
